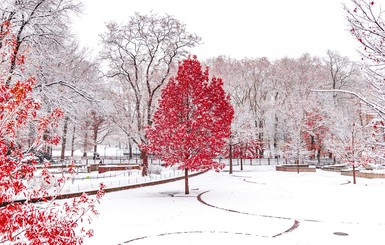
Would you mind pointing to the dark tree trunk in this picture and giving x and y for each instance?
(144, 157)
(231, 159)
(47, 149)
(64, 139)
(85, 143)
(95, 130)
(354, 174)
(319, 156)
(50, 151)
(186, 186)
(260, 137)
(312, 146)
(130, 149)
(73, 142)
(275, 143)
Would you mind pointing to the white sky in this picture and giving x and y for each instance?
(241, 28)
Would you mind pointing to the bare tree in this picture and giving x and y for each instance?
(70, 81)
(366, 20)
(39, 25)
(65, 76)
(143, 53)
(343, 72)
(296, 104)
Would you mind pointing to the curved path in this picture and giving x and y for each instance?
(292, 228)
(193, 232)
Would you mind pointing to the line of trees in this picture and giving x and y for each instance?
(280, 110)
(277, 111)
(277, 104)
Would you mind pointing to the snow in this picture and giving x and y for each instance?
(255, 206)
(82, 182)
(103, 151)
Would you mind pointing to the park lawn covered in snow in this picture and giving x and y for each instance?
(256, 206)
(80, 182)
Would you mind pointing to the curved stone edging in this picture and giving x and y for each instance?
(294, 168)
(199, 197)
(364, 174)
(346, 183)
(292, 228)
(194, 232)
(238, 176)
(252, 182)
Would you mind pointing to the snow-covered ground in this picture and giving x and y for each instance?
(255, 206)
(82, 182)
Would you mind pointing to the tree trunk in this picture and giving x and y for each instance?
(260, 137)
(144, 157)
(275, 143)
(354, 174)
(64, 139)
(231, 159)
(129, 149)
(95, 137)
(186, 187)
(241, 163)
(85, 143)
(298, 161)
(50, 151)
(319, 156)
(353, 154)
(73, 142)
(312, 146)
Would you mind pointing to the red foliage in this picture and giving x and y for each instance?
(245, 150)
(25, 222)
(193, 119)
(315, 134)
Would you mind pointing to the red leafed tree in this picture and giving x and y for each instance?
(249, 149)
(22, 221)
(192, 121)
(315, 133)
